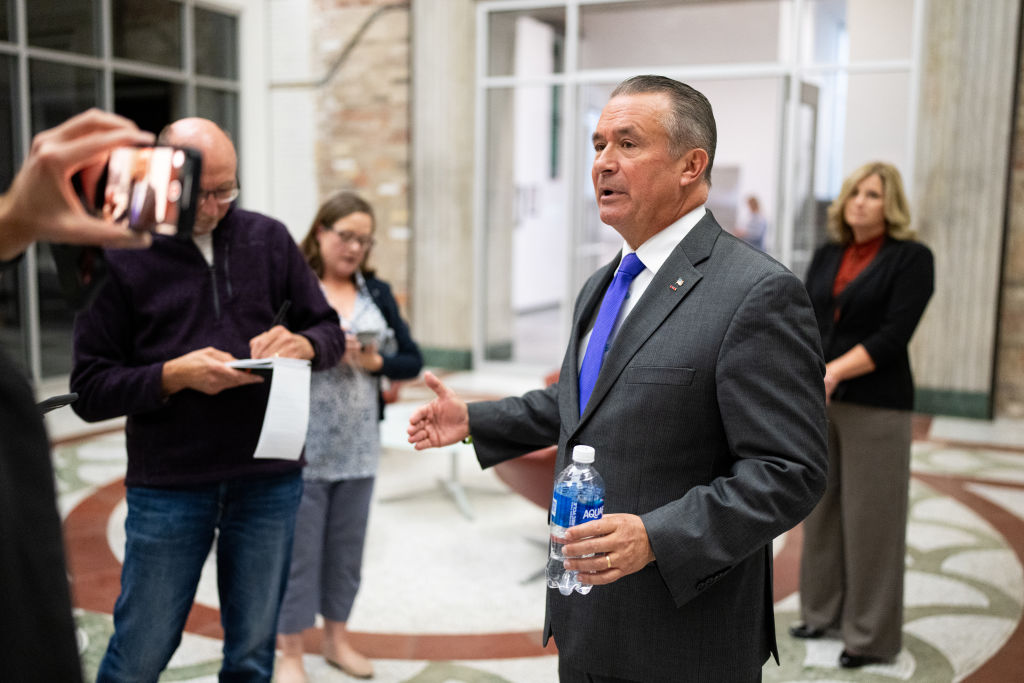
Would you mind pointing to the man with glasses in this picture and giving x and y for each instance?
(154, 346)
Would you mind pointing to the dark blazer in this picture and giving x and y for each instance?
(708, 418)
(407, 361)
(880, 309)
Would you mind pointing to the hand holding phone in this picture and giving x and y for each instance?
(41, 203)
(153, 189)
(369, 357)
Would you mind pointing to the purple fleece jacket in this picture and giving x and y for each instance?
(165, 301)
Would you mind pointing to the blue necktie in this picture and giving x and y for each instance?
(629, 268)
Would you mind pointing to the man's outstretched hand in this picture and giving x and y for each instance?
(443, 421)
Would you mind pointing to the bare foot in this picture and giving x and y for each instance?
(289, 662)
(289, 669)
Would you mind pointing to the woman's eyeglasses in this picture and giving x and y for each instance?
(363, 241)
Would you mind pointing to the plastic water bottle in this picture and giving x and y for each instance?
(578, 497)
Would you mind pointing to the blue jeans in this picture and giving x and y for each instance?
(168, 537)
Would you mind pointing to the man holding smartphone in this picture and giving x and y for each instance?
(154, 346)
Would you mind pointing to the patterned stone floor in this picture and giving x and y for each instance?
(447, 598)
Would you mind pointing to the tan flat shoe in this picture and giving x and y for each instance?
(352, 663)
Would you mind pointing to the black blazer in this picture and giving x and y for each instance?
(880, 309)
(405, 363)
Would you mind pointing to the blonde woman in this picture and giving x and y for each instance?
(869, 286)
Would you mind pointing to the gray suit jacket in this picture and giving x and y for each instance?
(708, 419)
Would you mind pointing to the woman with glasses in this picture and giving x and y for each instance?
(343, 441)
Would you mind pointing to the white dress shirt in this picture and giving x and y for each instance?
(652, 253)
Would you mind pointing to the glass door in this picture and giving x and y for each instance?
(525, 223)
(803, 91)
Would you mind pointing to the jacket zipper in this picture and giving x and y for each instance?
(227, 269)
(216, 295)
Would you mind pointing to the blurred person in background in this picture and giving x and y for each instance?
(753, 232)
(869, 287)
(343, 440)
(155, 346)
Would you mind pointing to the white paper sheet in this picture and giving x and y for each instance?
(284, 424)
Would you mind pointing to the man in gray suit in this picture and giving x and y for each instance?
(707, 415)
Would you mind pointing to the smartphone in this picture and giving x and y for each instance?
(367, 338)
(154, 189)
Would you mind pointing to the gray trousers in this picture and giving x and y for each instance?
(327, 553)
(851, 569)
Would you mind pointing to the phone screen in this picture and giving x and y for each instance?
(154, 188)
(367, 338)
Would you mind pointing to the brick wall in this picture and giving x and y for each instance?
(362, 118)
(1009, 385)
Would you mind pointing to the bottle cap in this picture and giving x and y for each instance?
(583, 454)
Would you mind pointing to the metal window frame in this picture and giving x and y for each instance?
(107, 65)
(788, 65)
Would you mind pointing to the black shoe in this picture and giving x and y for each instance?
(851, 661)
(804, 631)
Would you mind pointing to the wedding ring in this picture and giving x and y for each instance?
(609, 558)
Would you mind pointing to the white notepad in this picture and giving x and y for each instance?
(284, 424)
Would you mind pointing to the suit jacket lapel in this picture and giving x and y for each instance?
(673, 281)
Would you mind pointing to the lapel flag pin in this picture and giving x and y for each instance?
(678, 282)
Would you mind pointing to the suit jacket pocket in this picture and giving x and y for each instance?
(659, 375)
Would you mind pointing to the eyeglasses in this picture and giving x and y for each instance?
(221, 196)
(363, 241)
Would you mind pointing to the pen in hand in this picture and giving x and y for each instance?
(281, 313)
(285, 343)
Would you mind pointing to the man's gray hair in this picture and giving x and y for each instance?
(690, 124)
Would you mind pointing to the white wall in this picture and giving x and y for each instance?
(879, 29)
(863, 117)
(877, 105)
(539, 238)
(746, 110)
(724, 32)
(876, 121)
(747, 114)
(290, 192)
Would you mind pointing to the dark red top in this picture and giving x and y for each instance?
(856, 258)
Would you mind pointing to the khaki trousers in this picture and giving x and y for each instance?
(851, 570)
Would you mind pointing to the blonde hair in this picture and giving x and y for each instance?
(896, 207)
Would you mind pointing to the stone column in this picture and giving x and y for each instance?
(442, 284)
(962, 165)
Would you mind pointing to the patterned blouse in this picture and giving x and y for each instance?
(343, 438)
